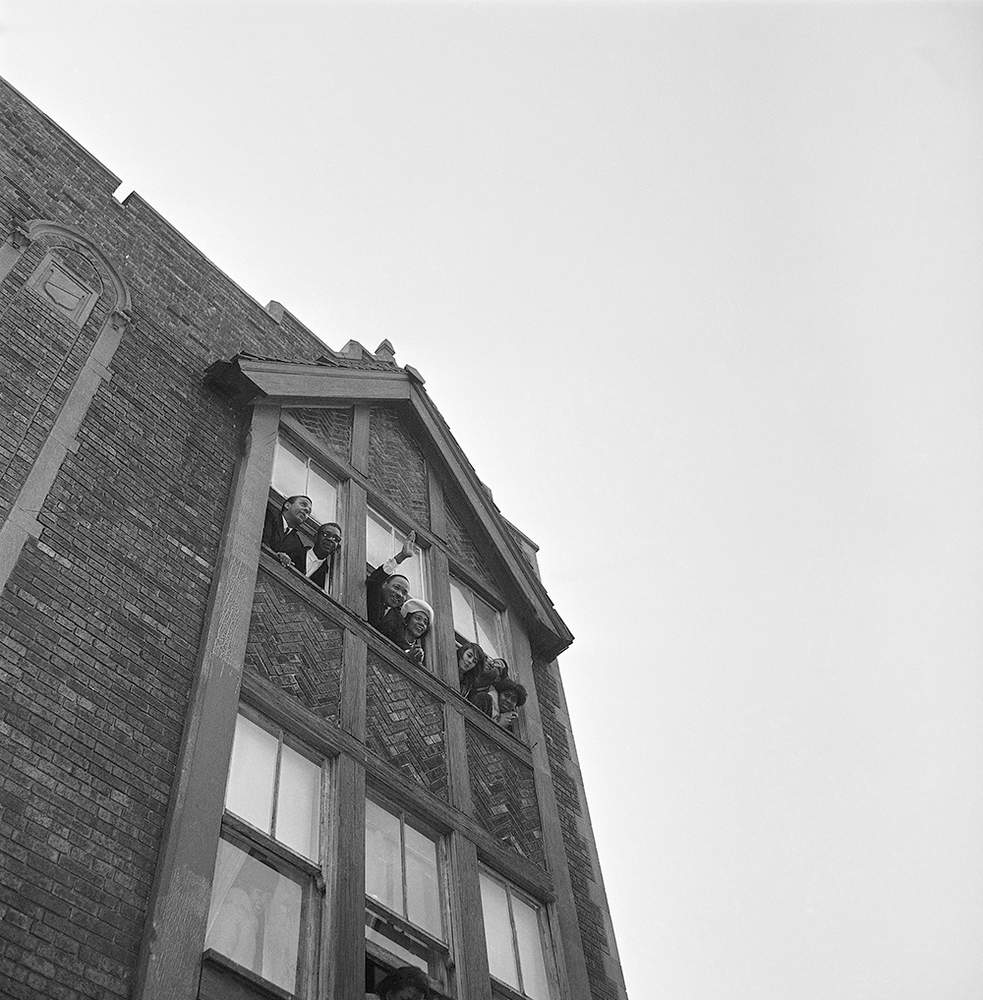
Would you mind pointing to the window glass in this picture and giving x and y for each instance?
(530, 943)
(251, 774)
(294, 473)
(289, 470)
(254, 917)
(488, 627)
(298, 800)
(422, 888)
(383, 868)
(382, 541)
(395, 948)
(461, 609)
(498, 931)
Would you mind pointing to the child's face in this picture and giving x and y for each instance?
(466, 660)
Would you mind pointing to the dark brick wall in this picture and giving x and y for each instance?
(405, 726)
(333, 428)
(504, 794)
(291, 646)
(566, 786)
(397, 468)
(462, 546)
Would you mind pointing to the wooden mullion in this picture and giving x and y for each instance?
(470, 953)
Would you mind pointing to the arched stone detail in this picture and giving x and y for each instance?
(21, 520)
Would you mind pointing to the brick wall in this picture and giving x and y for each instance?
(291, 646)
(462, 545)
(404, 726)
(397, 468)
(332, 428)
(575, 824)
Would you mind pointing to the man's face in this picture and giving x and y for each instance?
(507, 701)
(417, 624)
(395, 591)
(296, 512)
(326, 541)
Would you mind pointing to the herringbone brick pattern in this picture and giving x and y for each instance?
(396, 464)
(463, 547)
(293, 647)
(504, 794)
(333, 428)
(405, 726)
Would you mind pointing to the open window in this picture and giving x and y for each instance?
(266, 892)
(383, 540)
(405, 899)
(517, 940)
(475, 620)
(294, 474)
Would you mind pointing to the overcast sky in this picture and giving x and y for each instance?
(699, 288)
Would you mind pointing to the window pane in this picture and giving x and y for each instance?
(254, 918)
(461, 608)
(531, 960)
(422, 887)
(324, 496)
(378, 540)
(498, 931)
(488, 628)
(383, 871)
(249, 793)
(289, 470)
(298, 803)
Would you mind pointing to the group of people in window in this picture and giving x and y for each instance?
(390, 608)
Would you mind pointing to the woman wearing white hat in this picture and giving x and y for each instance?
(417, 619)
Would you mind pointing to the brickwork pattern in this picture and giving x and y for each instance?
(579, 858)
(463, 547)
(333, 428)
(293, 647)
(405, 726)
(397, 468)
(504, 793)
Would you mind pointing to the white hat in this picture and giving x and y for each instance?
(415, 604)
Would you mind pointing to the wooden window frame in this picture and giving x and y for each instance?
(324, 471)
(502, 989)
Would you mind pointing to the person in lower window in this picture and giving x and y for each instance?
(483, 692)
(321, 555)
(417, 617)
(386, 591)
(406, 983)
(511, 697)
(470, 662)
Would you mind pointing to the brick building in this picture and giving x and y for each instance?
(218, 780)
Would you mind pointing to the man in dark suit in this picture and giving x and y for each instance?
(281, 535)
(320, 557)
(386, 591)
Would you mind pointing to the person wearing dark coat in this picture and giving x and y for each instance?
(406, 983)
(281, 535)
(386, 591)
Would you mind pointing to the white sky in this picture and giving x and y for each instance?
(698, 288)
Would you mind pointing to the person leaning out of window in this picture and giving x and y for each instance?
(281, 535)
(417, 617)
(386, 591)
(511, 697)
(406, 983)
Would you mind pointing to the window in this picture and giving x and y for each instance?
(405, 922)
(475, 620)
(382, 541)
(515, 936)
(268, 859)
(294, 473)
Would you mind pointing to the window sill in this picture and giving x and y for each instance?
(257, 985)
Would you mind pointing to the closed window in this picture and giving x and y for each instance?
(268, 859)
(475, 620)
(516, 937)
(405, 920)
(295, 474)
(382, 541)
